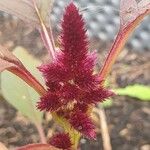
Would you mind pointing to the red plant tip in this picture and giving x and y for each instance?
(82, 123)
(61, 140)
(73, 38)
(71, 83)
(49, 102)
(96, 95)
(81, 106)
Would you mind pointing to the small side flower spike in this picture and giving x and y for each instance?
(61, 140)
(49, 102)
(82, 123)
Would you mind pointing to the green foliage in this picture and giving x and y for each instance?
(17, 92)
(107, 103)
(138, 91)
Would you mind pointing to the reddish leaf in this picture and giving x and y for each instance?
(38, 147)
(24, 9)
(9, 62)
(36, 14)
(132, 14)
(128, 11)
(131, 10)
(7, 59)
(144, 3)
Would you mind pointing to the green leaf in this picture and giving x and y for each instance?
(141, 92)
(107, 103)
(17, 92)
(30, 62)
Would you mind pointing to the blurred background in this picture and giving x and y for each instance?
(128, 117)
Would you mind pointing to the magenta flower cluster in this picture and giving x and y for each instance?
(72, 85)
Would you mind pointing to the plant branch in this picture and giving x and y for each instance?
(25, 75)
(41, 133)
(47, 39)
(51, 35)
(104, 128)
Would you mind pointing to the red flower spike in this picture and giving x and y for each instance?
(96, 95)
(74, 44)
(49, 102)
(62, 113)
(61, 140)
(73, 39)
(69, 91)
(82, 123)
(81, 106)
(72, 86)
(87, 81)
(53, 86)
(90, 61)
(55, 72)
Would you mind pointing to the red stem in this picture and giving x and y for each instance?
(41, 133)
(47, 37)
(112, 55)
(25, 75)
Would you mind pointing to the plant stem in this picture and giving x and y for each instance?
(104, 129)
(51, 35)
(112, 55)
(47, 39)
(75, 141)
(26, 76)
(74, 135)
(41, 133)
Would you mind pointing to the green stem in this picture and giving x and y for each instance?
(76, 142)
(74, 135)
